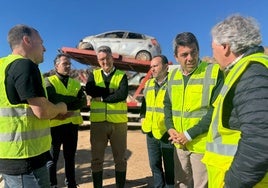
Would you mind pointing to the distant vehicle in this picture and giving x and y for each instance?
(126, 43)
(136, 79)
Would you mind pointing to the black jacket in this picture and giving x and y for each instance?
(72, 102)
(108, 95)
(246, 109)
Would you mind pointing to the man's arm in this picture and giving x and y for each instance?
(143, 108)
(28, 84)
(72, 102)
(55, 97)
(203, 125)
(79, 102)
(93, 90)
(250, 101)
(44, 109)
(168, 112)
(119, 94)
(173, 134)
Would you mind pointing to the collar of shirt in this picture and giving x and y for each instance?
(108, 73)
(162, 82)
(231, 65)
(63, 78)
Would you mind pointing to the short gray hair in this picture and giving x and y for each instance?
(241, 33)
(105, 49)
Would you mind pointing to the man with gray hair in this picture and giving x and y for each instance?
(236, 152)
(108, 88)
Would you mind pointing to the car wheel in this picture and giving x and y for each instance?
(85, 46)
(143, 55)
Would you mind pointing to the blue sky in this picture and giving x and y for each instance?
(62, 23)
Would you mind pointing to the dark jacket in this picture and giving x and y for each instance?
(108, 95)
(246, 109)
(72, 102)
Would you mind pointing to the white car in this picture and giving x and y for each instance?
(126, 43)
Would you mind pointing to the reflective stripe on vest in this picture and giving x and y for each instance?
(5, 135)
(154, 118)
(72, 89)
(111, 112)
(22, 134)
(192, 101)
(217, 131)
(222, 142)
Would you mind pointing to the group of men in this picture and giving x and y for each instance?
(206, 122)
(40, 115)
(179, 114)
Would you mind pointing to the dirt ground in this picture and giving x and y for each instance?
(138, 170)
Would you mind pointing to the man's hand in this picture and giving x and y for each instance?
(176, 137)
(63, 116)
(173, 135)
(182, 139)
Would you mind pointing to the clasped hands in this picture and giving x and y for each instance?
(176, 137)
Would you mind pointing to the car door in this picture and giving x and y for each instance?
(132, 43)
(111, 39)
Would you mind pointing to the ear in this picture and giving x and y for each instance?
(166, 67)
(26, 40)
(227, 49)
(56, 65)
(176, 58)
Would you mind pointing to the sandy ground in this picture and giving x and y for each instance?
(138, 172)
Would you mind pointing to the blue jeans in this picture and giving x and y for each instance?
(161, 152)
(38, 178)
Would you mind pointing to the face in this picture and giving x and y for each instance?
(63, 66)
(188, 57)
(36, 48)
(105, 61)
(159, 70)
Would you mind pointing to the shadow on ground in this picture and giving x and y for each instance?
(83, 172)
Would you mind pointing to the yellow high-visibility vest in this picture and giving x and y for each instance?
(111, 112)
(191, 103)
(222, 142)
(72, 89)
(154, 119)
(22, 134)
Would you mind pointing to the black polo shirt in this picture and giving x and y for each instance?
(23, 81)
